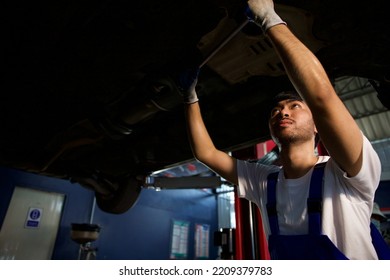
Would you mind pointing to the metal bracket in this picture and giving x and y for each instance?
(183, 182)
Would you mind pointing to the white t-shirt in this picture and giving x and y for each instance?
(347, 201)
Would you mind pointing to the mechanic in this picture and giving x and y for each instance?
(351, 174)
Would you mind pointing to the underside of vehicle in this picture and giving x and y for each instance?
(90, 93)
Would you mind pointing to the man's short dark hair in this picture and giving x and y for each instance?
(286, 95)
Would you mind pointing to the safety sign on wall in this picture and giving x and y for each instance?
(33, 217)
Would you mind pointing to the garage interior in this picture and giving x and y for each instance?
(184, 210)
(145, 231)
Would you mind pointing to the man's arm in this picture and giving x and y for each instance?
(337, 128)
(203, 147)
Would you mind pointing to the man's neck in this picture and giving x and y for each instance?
(297, 160)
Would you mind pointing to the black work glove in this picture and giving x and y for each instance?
(187, 83)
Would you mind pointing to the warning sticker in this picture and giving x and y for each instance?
(33, 217)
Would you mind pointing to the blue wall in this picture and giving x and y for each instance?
(77, 206)
(143, 232)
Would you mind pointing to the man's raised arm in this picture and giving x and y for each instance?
(337, 128)
(201, 144)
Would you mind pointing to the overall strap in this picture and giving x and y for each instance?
(272, 179)
(314, 201)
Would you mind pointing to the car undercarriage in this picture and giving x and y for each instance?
(90, 93)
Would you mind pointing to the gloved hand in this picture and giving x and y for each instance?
(262, 12)
(187, 83)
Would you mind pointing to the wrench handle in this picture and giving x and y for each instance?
(224, 42)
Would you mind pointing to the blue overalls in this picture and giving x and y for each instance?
(314, 245)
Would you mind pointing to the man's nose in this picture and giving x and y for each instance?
(285, 112)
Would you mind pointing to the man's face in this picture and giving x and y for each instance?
(291, 121)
